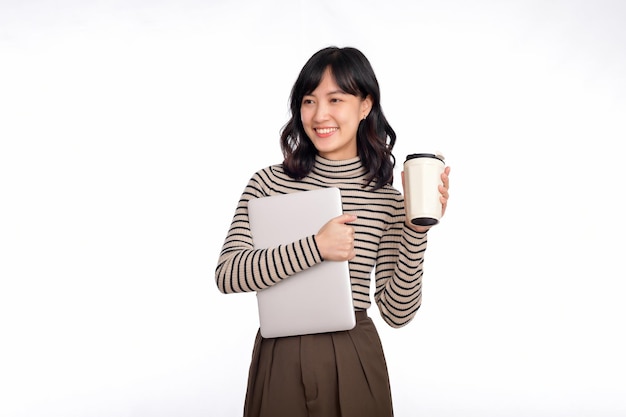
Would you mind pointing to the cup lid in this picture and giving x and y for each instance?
(438, 155)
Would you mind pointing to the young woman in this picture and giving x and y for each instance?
(337, 136)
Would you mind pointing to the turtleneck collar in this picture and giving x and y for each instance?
(347, 168)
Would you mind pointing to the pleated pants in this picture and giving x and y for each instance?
(339, 374)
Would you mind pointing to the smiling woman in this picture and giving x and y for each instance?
(337, 136)
(125, 133)
(331, 116)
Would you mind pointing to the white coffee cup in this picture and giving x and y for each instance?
(422, 176)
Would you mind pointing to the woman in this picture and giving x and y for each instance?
(337, 136)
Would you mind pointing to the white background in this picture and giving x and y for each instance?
(129, 129)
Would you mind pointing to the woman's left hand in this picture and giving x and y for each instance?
(443, 190)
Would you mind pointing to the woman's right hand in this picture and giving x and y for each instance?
(335, 240)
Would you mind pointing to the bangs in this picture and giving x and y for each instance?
(345, 79)
(310, 83)
(342, 76)
(349, 68)
(339, 70)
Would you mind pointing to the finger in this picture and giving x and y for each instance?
(445, 179)
(346, 218)
(443, 191)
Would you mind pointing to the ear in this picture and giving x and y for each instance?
(366, 106)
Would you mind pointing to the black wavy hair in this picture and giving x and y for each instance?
(375, 138)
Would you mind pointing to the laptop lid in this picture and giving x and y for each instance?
(318, 299)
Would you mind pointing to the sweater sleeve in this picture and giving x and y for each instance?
(241, 268)
(400, 260)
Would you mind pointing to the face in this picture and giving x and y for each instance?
(331, 117)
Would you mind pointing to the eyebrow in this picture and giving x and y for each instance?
(330, 93)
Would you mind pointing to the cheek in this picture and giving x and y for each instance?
(304, 116)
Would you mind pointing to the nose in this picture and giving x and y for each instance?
(321, 112)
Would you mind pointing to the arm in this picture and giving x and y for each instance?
(399, 266)
(241, 268)
(399, 272)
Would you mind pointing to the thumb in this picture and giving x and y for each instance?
(346, 218)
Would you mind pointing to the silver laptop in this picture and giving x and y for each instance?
(318, 299)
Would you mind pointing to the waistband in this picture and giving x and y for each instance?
(360, 315)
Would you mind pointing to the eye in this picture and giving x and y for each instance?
(335, 100)
(307, 101)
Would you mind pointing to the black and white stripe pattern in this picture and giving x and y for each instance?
(382, 241)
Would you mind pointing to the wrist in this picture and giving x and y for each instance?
(418, 229)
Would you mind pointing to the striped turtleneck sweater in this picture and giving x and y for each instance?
(382, 241)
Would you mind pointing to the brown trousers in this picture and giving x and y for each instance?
(339, 374)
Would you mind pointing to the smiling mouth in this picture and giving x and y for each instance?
(326, 130)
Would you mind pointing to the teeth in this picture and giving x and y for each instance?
(326, 130)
